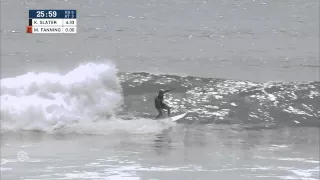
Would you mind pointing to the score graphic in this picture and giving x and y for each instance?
(52, 21)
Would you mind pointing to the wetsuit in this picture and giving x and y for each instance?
(160, 105)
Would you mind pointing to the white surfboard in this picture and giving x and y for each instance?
(177, 117)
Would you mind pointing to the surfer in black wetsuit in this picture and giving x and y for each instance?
(159, 104)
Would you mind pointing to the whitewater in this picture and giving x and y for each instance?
(91, 97)
(85, 101)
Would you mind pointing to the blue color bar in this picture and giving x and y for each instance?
(52, 14)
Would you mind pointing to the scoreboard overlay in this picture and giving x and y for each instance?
(52, 21)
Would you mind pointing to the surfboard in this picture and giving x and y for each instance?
(177, 117)
(60, 126)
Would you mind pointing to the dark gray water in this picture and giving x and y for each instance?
(252, 39)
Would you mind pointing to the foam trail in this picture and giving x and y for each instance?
(37, 101)
(116, 125)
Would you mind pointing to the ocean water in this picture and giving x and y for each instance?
(81, 106)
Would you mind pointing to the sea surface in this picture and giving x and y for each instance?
(81, 106)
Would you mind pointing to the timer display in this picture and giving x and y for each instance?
(58, 14)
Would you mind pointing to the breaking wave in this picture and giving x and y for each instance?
(39, 101)
(95, 98)
(209, 100)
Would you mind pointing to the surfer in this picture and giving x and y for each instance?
(159, 104)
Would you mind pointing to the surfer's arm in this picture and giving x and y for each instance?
(168, 90)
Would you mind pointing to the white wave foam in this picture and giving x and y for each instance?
(116, 126)
(37, 101)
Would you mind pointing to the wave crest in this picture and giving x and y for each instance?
(36, 101)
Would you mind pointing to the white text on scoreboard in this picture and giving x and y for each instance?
(52, 21)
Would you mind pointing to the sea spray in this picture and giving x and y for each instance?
(37, 101)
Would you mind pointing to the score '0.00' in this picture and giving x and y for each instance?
(69, 30)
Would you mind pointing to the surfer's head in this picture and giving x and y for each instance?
(161, 91)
